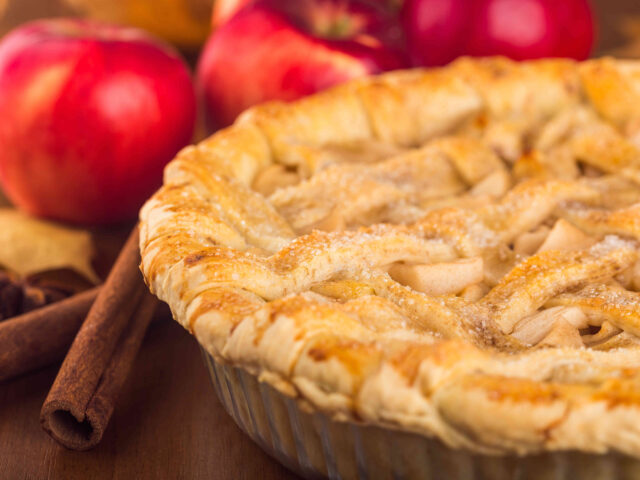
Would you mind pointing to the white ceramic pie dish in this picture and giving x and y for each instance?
(316, 446)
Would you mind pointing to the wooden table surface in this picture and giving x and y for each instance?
(168, 422)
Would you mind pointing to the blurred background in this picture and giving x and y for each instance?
(186, 23)
(244, 52)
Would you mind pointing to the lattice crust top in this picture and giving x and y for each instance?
(452, 252)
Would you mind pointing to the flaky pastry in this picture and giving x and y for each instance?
(452, 252)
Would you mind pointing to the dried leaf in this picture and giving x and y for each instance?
(29, 246)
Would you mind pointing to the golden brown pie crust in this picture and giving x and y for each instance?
(452, 252)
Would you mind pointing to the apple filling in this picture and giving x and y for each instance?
(550, 325)
(563, 236)
(439, 278)
(273, 178)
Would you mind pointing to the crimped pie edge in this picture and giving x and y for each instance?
(531, 417)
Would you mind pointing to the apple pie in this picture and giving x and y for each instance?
(450, 254)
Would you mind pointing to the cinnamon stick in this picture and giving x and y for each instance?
(42, 336)
(81, 400)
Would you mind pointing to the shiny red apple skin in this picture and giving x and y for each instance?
(436, 30)
(269, 51)
(577, 26)
(223, 10)
(89, 115)
(440, 30)
(526, 29)
(518, 29)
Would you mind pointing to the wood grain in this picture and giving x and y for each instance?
(167, 424)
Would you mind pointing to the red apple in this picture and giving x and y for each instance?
(223, 10)
(435, 29)
(523, 29)
(440, 30)
(89, 115)
(278, 49)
